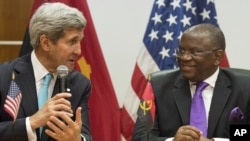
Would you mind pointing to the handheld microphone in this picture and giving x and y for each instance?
(62, 72)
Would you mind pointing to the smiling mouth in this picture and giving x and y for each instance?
(186, 67)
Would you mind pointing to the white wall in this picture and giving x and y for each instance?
(120, 26)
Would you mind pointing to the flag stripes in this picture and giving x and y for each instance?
(13, 100)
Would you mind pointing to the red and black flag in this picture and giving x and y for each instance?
(146, 111)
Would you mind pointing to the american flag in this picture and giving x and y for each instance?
(13, 100)
(167, 21)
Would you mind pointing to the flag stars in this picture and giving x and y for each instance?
(168, 36)
(188, 5)
(175, 52)
(205, 14)
(179, 37)
(215, 17)
(164, 53)
(193, 10)
(160, 3)
(157, 18)
(172, 20)
(186, 20)
(153, 35)
(175, 4)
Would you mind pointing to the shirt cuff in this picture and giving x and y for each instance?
(220, 139)
(169, 139)
(30, 133)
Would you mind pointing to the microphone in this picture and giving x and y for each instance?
(62, 72)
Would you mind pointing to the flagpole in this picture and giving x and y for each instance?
(12, 125)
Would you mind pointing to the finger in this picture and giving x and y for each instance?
(62, 100)
(57, 124)
(68, 114)
(79, 116)
(193, 128)
(73, 124)
(54, 130)
(52, 134)
(63, 108)
(73, 128)
(181, 135)
(190, 131)
(61, 95)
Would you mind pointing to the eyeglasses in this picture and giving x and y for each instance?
(194, 53)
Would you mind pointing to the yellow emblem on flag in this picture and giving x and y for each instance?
(146, 105)
(85, 68)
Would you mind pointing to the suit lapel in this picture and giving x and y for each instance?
(24, 78)
(220, 97)
(181, 94)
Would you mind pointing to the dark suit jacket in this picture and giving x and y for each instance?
(79, 85)
(173, 101)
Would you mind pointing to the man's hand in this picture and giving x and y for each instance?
(53, 107)
(63, 128)
(187, 133)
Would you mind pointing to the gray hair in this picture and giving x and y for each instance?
(52, 19)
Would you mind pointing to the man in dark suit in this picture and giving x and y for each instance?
(56, 31)
(227, 96)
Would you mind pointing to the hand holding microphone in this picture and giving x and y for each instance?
(56, 101)
(61, 126)
(62, 72)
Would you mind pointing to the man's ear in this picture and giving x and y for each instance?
(219, 55)
(44, 41)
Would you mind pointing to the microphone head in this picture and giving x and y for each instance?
(62, 71)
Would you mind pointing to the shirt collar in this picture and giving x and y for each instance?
(39, 70)
(211, 80)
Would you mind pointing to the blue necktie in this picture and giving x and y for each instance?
(43, 93)
(198, 111)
